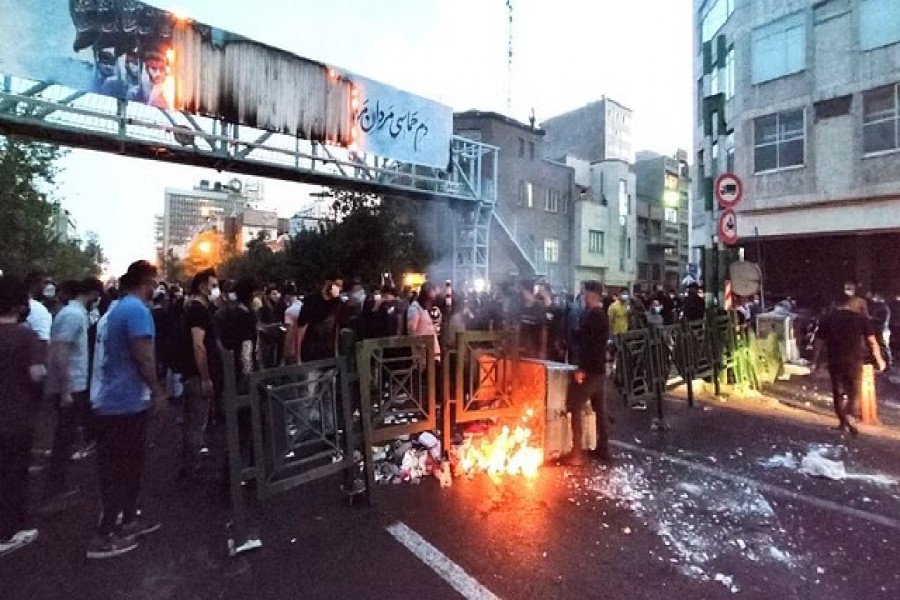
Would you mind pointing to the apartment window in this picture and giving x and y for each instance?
(531, 150)
(779, 48)
(881, 119)
(470, 134)
(779, 141)
(729, 85)
(729, 152)
(643, 228)
(671, 215)
(551, 251)
(624, 208)
(526, 194)
(628, 248)
(714, 82)
(521, 147)
(879, 23)
(551, 201)
(596, 242)
(715, 14)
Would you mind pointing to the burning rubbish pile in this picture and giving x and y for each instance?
(501, 449)
(495, 448)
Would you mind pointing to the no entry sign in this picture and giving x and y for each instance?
(728, 227)
(729, 190)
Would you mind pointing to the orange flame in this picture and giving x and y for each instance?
(509, 451)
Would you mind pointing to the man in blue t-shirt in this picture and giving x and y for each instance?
(129, 388)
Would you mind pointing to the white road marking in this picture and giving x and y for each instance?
(766, 487)
(448, 570)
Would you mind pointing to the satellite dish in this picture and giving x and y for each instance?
(235, 184)
(745, 278)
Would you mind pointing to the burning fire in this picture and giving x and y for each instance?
(510, 450)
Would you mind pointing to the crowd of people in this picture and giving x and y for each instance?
(108, 357)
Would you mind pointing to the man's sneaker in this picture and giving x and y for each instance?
(85, 452)
(138, 527)
(109, 546)
(639, 406)
(17, 541)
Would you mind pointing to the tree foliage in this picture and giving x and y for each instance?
(28, 241)
(367, 238)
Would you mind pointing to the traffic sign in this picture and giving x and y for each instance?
(729, 190)
(728, 227)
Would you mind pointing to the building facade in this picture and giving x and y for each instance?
(663, 198)
(801, 99)
(187, 212)
(604, 221)
(531, 231)
(595, 132)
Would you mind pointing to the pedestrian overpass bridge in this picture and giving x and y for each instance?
(329, 141)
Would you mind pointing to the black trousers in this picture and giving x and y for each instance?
(592, 390)
(846, 379)
(121, 443)
(67, 421)
(15, 455)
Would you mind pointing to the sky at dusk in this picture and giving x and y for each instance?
(566, 53)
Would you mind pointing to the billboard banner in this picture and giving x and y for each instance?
(402, 126)
(133, 51)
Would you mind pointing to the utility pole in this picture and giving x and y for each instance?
(509, 63)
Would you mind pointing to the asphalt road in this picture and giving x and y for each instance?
(688, 513)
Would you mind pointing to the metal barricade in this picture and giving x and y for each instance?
(675, 357)
(635, 364)
(302, 427)
(478, 378)
(397, 384)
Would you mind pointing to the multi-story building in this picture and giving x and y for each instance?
(603, 222)
(531, 231)
(595, 132)
(187, 212)
(62, 227)
(801, 99)
(663, 193)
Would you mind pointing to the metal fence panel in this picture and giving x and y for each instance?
(483, 369)
(397, 382)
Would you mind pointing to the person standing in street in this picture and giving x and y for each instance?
(39, 319)
(590, 378)
(291, 334)
(419, 320)
(202, 369)
(129, 388)
(67, 386)
(848, 338)
(694, 308)
(21, 372)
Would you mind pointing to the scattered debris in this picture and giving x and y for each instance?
(822, 460)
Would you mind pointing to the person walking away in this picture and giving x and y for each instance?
(21, 372)
(655, 317)
(67, 386)
(317, 324)
(238, 332)
(202, 370)
(590, 378)
(856, 303)
(128, 390)
(694, 307)
(848, 338)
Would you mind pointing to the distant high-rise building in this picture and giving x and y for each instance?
(596, 132)
(187, 212)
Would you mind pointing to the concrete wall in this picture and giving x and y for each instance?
(598, 131)
(838, 189)
(530, 225)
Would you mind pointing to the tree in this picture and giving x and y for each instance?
(28, 241)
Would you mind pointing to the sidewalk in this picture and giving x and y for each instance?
(813, 393)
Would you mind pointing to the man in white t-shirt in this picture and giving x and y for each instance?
(39, 319)
(291, 314)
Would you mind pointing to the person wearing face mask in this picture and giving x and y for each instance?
(67, 385)
(202, 372)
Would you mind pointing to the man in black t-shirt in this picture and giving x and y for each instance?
(694, 307)
(237, 330)
(532, 319)
(848, 338)
(318, 322)
(202, 372)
